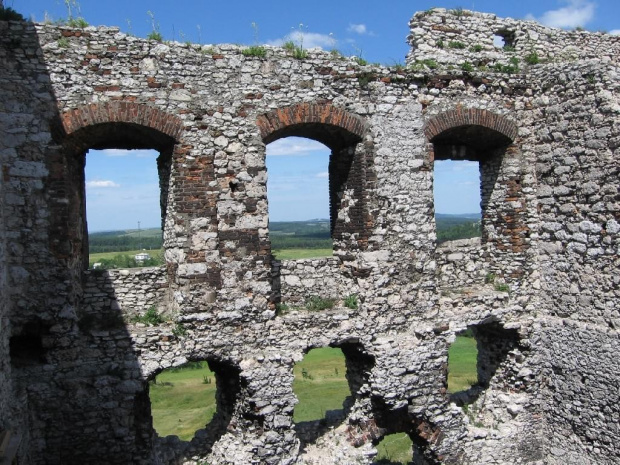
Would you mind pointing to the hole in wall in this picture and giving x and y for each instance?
(504, 39)
(485, 348)
(298, 193)
(406, 437)
(194, 401)
(320, 385)
(394, 449)
(462, 365)
(26, 347)
(328, 382)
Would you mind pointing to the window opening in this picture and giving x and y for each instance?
(123, 211)
(504, 39)
(299, 198)
(462, 362)
(320, 385)
(183, 399)
(394, 449)
(457, 193)
(195, 401)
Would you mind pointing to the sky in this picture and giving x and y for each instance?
(297, 185)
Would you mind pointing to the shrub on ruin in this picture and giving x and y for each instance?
(351, 302)
(151, 317)
(9, 14)
(317, 303)
(254, 51)
(532, 58)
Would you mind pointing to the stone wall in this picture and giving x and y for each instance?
(460, 263)
(131, 292)
(547, 142)
(457, 36)
(295, 280)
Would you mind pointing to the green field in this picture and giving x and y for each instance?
(181, 402)
(324, 386)
(298, 254)
(462, 358)
(125, 259)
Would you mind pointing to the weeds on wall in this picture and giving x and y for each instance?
(254, 51)
(155, 34)
(151, 317)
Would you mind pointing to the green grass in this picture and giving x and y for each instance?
(99, 257)
(297, 254)
(181, 403)
(395, 448)
(323, 388)
(462, 359)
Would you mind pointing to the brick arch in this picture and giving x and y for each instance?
(121, 112)
(331, 126)
(460, 116)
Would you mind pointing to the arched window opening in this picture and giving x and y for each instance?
(123, 208)
(183, 400)
(298, 193)
(320, 385)
(194, 401)
(503, 227)
(101, 161)
(328, 382)
(341, 132)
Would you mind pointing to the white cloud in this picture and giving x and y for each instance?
(126, 153)
(357, 28)
(101, 184)
(575, 13)
(323, 174)
(615, 32)
(306, 40)
(294, 146)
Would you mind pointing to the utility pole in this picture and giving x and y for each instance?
(139, 237)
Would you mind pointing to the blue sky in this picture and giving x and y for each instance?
(297, 182)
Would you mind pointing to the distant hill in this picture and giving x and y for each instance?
(310, 234)
(459, 226)
(121, 241)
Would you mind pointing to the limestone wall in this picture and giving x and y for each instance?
(546, 139)
(132, 291)
(452, 37)
(460, 263)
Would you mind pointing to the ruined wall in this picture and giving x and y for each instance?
(546, 139)
(132, 291)
(453, 37)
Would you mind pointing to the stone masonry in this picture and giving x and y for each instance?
(540, 115)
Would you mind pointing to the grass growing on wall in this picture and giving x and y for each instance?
(181, 401)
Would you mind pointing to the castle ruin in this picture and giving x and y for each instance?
(541, 116)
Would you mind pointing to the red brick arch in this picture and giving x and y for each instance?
(314, 121)
(121, 112)
(469, 117)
